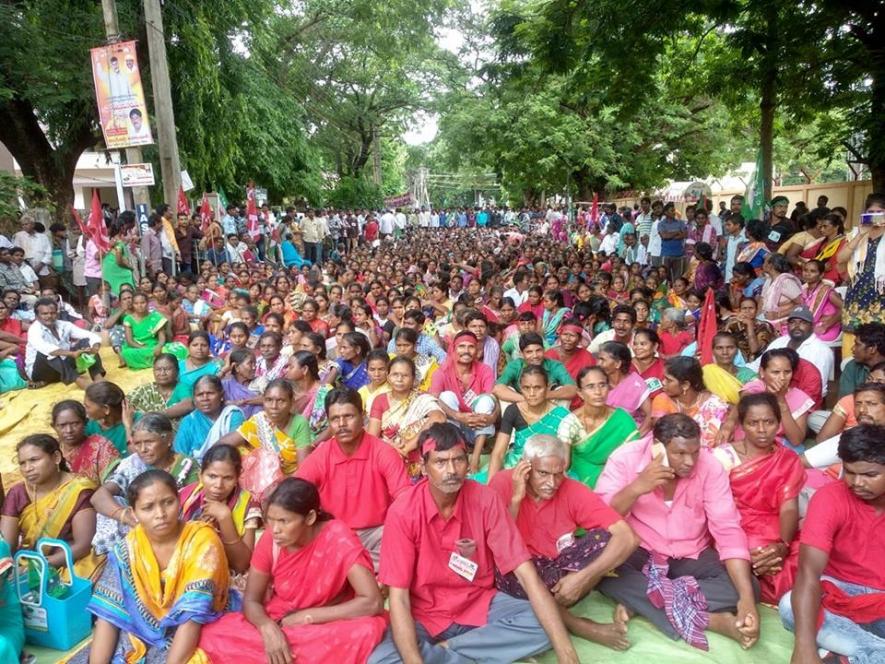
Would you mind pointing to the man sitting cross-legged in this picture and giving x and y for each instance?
(677, 498)
(443, 541)
(838, 600)
(549, 508)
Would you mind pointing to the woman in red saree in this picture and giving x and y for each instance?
(310, 594)
(766, 478)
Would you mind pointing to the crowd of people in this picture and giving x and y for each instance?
(426, 436)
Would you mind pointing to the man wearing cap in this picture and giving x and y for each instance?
(549, 508)
(463, 386)
(444, 539)
(358, 475)
(780, 226)
(801, 338)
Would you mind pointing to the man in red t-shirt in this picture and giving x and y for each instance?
(371, 230)
(549, 508)
(358, 475)
(443, 541)
(841, 576)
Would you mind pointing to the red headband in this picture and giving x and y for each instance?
(430, 446)
(465, 334)
(571, 327)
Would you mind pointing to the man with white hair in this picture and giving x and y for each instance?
(548, 508)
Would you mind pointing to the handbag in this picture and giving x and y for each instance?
(54, 611)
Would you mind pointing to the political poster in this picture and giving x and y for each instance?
(137, 175)
(122, 111)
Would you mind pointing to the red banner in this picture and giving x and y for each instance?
(183, 206)
(96, 228)
(252, 212)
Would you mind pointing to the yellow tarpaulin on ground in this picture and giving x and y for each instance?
(28, 411)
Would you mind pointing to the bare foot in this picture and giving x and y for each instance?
(622, 614)
(613, 635)
(726, 624)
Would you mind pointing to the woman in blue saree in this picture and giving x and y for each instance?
(198, 363)
(210, 420)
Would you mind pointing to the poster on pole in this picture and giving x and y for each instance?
(122, 111)
(137, 175)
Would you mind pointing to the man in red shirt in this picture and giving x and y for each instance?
(841, 577)
(463, 386)
(443, 540)
(570, 354)
(549, 508)
(358, 476)
(371, 230)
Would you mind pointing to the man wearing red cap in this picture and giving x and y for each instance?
(443, 540)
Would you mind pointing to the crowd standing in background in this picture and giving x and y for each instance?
(426, 435)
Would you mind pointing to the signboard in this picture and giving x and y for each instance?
(696, 191)
(141, 214)
(186, 182)
(137, 175)
(122, 112)
(260, 196)
(398, 201)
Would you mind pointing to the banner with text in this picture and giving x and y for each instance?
(120, 96)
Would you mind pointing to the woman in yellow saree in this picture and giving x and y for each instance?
(51, 502)
(163, 582)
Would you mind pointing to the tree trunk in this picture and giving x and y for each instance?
(50, 167)
(876, 150)
(768, 99)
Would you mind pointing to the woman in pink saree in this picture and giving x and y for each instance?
(629, 391)
(822, 300)
(765, 480)
(782, 291)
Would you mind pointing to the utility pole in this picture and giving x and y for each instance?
(133, 155)
(170, 164)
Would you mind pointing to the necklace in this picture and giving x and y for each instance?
(683, 407)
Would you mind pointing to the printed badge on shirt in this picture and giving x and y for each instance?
(463, 567)
(653, 384)
(565, 542)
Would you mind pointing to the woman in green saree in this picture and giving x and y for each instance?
(523, 419)
(145, 335)
(605, 428)
(164, 395)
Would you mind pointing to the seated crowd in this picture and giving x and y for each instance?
(434, 449)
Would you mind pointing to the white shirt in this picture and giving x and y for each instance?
(386, 223)
(813, 350)
(434, 220)
(518, 298)
(400, 220)
(42, 340)
(235, 254)
(654, 241)
(609, 243)
(424, 219)
(38, 249)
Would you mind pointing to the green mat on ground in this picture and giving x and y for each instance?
(650, 645)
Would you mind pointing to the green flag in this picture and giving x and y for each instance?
(754, 198)
(222, 198)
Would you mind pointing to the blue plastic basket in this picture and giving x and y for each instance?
(53, 622)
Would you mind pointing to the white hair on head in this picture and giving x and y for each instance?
(544, 445)
(674, 315)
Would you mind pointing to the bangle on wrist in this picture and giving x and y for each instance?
(231, 542)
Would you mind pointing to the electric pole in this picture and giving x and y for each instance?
(170, 164)
(133, 155)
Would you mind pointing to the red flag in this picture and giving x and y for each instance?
(252, 212)
(96, 228)
(707, 328)
(594, 209)
(183, 206)
(79, 220)
(205, 214)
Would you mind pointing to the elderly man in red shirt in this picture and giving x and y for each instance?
(549, 508)
(358, 476)
(443, 540)
(677, 498)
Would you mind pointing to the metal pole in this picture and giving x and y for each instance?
(170, 164)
